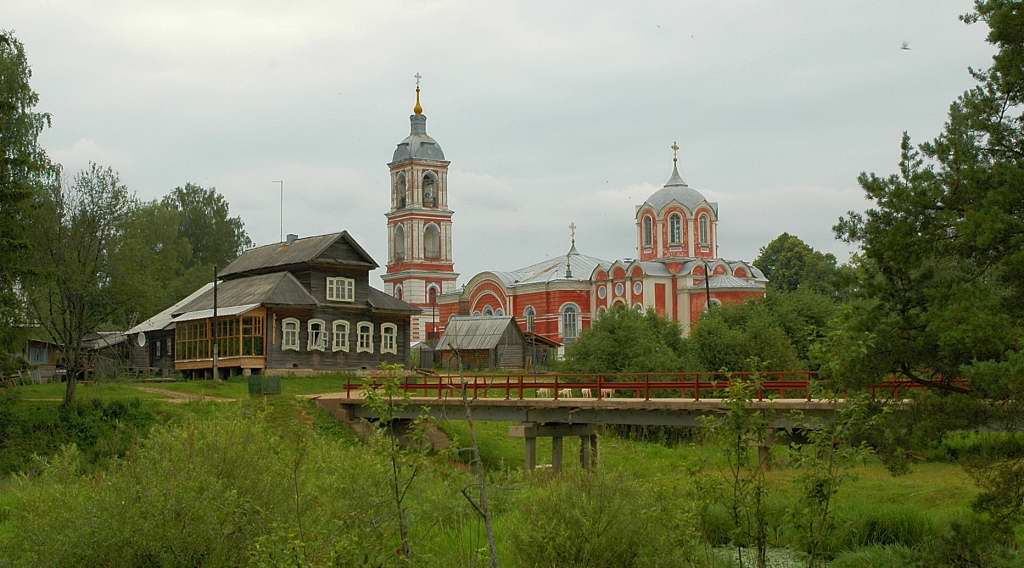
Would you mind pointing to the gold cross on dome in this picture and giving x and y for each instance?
(675, 151)
(418, 77)
(572, 231)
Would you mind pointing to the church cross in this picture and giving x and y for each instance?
(572, 231)
(675, 152)
(418, 77)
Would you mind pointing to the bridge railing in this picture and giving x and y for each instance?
(688, 385)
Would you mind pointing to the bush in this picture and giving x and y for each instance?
(100, 430)
(875, 557)
(959, 445)
(858, 527)
(600, 521)
(225, 491)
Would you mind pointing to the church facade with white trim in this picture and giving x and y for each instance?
(676, 273)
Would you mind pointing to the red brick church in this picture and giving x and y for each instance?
(556, 298)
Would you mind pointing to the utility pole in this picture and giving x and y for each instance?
(216, 348)
(707, 286)
(281, 182)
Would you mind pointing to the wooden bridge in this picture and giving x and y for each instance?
(562, 405)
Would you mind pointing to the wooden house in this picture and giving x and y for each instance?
(482, 342)
(300, 306)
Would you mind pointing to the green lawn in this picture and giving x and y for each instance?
(237, 387)
(87, 391)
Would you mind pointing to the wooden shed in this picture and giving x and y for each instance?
(482, 342)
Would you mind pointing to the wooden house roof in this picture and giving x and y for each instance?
(334, 248)
(279, 288)
(475, 332)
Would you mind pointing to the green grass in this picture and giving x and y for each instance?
(87, 391)
(237, 387)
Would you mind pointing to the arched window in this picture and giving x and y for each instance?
(289, 334)
(705, 239)
(570, 322)
(648, 232)
(431, 241)
(399, 246)
(499, 312)
(601, 311)
(488, 311)
(429, 190)
(316, 335)
(389, 338)
(675, 229)
(401, 190)
(340, 336)
(531, 316)
(432, 291)
(398, 292)
(364, 337)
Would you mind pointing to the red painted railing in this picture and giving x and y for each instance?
(687, 385)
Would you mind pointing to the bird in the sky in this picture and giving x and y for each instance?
(905, 46)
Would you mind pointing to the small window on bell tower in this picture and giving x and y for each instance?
(401, 189)
(429, 190)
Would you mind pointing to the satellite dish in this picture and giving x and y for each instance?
(141, 339)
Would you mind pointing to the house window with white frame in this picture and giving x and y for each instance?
(364, 337)
(389, 338)
(341, 289)
(289, 334)
(340, 336)
(316, 332)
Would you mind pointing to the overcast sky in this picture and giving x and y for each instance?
(550, 112)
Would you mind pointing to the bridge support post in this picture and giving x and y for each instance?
(585, 452)
(593, 451)
(556, 453)
(764, 453)
(531, 452)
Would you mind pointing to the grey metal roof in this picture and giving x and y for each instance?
(474, 332)
(653, 268)
(104, 339)
(675, 189)
(553, 269)
(418, 144)
(163, 319)
(298, 251)
(279, 288)
(727, 281)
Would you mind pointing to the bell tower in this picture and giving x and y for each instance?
(420, 265)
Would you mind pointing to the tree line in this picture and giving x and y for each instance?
(81, 252)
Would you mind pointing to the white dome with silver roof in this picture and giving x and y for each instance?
(675, 189)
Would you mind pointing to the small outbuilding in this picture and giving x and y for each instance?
(482, 342)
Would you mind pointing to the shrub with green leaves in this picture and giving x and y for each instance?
(601, 520)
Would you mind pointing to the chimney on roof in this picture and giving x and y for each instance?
(290, 238)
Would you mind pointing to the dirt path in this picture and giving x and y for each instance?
(181, 397)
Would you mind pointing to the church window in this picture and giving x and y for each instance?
(675, 228)
(620, 288)
(638, 288)
(364, 338)
(648, 232)
(531, 316)
(601, 311)
(389, 338)
(429, 190)
(289, 334)
(639, 308)
(398, 292)
(705, 240)
(488, 311)
(432, 294)
(570, 322)
(399, 246)
(340, 336)
(317, 335)
(499, 312)
(432, 241)
(401, 190)
(602, 292)
(341, 289)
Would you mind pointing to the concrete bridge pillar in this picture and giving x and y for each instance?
(530, 431)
